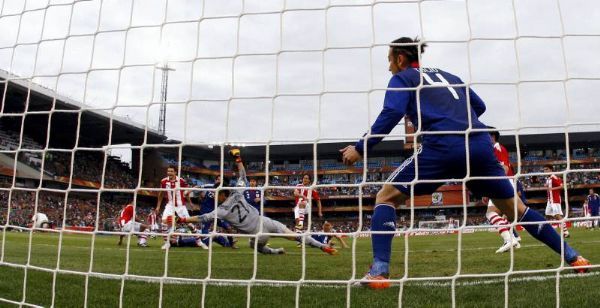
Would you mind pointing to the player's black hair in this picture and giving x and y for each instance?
(549, 166)
(171, 166)
(494, 133)
(225, 192)
(410, 51)
(225, 180)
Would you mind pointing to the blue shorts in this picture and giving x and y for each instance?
(448, 161)
(595, 211)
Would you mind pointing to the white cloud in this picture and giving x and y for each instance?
(212, 68)
(303, 30)
(492, 19)
(349, 26)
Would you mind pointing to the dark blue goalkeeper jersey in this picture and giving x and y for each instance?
(442, 107)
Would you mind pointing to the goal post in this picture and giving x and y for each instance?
(99, 97)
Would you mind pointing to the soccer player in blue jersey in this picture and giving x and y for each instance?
(437, 107)
(593, 202)
(207, 205)
(186, 240)
(253, 195)
(328, 239)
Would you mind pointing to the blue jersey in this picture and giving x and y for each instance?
(521, 190)
(208, 202)
(593, 203)
(250, 196)
(442, 107)
(321, 238)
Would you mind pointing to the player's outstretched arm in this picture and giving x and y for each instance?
(394, 109)
(237, 156)
(319, 208)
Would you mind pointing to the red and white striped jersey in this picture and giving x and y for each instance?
(174, 194)
(503, 158)
(553, 195)
(126, 214)
(304, 192)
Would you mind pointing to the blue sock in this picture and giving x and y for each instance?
(515, 234)
(546, 234)
(384, 219)
(223, 241)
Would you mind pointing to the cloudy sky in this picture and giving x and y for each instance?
(259, 70)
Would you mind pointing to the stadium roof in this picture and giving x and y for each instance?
(306, 150)
(94, 124)
(395, 147)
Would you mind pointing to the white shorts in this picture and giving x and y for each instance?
(131, 226)
(514, 184)
(553, 209)
(40, 223)
(171, 210)
(297, 210)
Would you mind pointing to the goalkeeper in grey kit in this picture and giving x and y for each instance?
(234, 209)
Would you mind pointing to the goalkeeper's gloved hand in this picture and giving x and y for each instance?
(235, 153)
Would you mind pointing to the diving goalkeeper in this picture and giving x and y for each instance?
(234, 209)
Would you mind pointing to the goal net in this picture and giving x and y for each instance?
(100, 97)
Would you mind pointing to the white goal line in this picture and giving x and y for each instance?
(474, 279)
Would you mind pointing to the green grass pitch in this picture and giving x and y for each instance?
(428, 256)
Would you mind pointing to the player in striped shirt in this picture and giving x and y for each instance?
(554, 185)
(445, 104)
(493, 214)
(152, 221)
(128, 224)
(176, 196)
(303, 201)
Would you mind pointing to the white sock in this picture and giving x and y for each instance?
(499, 221)
(505, 236)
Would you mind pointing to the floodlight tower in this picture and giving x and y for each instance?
(164, 85)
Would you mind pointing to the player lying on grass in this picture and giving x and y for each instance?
(128, 224)
(188, 240)
(328, 239)
(233, 208)
(445, 104)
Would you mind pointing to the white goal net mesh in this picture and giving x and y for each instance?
(83, 133)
